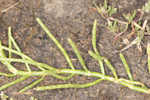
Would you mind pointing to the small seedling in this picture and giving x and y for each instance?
(133, 25)
(130, 16)
(146, 7)
(105, 10)
(113, 26)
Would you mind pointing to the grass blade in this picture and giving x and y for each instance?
(94, 36)
(38, 65)
(9, 66)
(13, 82)
(132, 82)
(26, 57)
(99, 59)
(11, 39)
(95, 56)
(63, 51)
(31, 85)
(7, 75)
(68, 86)
(77, 54)
(94, 47)
(148, 53)
(46, 72)
(110, 66)
(136, 88)
(126, 66)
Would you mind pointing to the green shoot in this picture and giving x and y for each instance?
(31, 85)
(112, 25)
(148, 53)
(9, 66)
(133, 82)
(94, 36)
(9, 41)
(13, 82)
(7, 75)
(95, 48)
(60, 86)
(130, 16)
(77, 54)
(111, 10)
(126, 66)
(56, 42)
(109, 65)
(12, 41)
(106, 10)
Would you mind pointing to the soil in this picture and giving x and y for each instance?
(71, 19)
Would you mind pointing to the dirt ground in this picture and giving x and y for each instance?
(70, 19)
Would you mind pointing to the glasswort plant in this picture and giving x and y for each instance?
(62, 73)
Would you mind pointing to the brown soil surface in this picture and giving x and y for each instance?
(70, 19)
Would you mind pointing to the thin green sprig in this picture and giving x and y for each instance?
(13, 82)
(95, 48)
(60, 86)
(31, 85)
(148, 53)
(77, 54)
(105, 10)
(12, 41)
(9, 66)
(126, 66)
(63, 51)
